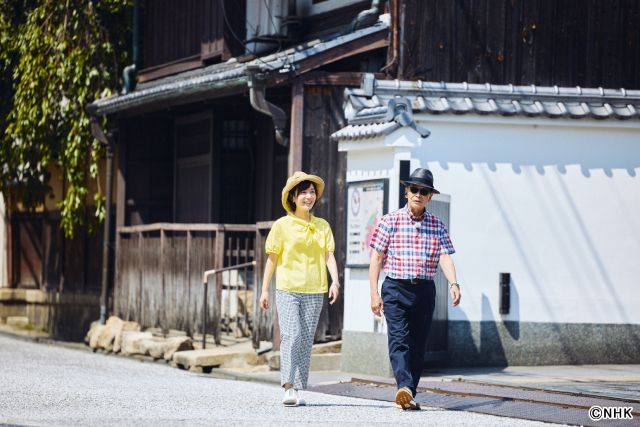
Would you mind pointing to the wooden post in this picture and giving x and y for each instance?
(162, 318)
(218, 263)
(120, 222)
(297, 123)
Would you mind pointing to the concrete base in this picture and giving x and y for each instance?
(365, 353)
(530, 344)
(475, 344)
(64, 316)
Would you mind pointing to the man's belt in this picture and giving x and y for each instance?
(414, 281)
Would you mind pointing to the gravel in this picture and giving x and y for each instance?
(51, 385)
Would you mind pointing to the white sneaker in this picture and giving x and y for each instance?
(290, 397)
(301, 401)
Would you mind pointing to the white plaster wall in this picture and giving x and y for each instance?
(554, 203)
(377, 161)
(4, 281)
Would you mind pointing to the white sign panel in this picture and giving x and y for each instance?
(366, 204)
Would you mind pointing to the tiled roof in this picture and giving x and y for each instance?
(367, 107)
(225, 75)
(365, 131)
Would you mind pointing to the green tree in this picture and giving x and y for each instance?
(56, 56)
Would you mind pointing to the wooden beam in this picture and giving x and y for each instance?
(174, 67)
(367, 43)
(297, 123)
(323, 78)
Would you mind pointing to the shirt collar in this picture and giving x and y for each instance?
(309, 225)
(408, 212)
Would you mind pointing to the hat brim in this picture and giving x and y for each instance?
(421, 184)
(291, 184)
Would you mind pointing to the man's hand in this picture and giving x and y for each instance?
(334, 292)
(377, 306)
(455, 294)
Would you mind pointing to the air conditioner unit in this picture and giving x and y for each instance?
(268, 23)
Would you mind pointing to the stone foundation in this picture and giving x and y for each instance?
(64, 316)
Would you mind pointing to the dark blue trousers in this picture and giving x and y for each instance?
(408, 310)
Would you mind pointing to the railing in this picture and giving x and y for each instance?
(226, 313)
(158, 270)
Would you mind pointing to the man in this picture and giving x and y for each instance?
(409, 243)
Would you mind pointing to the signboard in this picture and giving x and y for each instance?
(366, 203)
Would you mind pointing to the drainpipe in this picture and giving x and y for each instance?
(368, 17)
(257, 85)
(130, 71)
(108, 141)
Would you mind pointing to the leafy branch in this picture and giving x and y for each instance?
(55, 58)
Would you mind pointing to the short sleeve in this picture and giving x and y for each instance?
(446, 247)
(329, 243)
(380, 239)
(273, 245)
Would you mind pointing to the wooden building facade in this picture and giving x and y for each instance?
(203, 151)
(543, 42)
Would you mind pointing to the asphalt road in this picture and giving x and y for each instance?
(45, 385)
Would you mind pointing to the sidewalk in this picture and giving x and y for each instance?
(610, 381)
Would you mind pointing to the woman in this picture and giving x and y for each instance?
(300, 246)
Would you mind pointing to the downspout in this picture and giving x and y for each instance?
(393, 9)
(129, 73)
(257, 84)
(367, 17)
(108, 141)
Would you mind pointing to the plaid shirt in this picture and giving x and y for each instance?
(412, 246)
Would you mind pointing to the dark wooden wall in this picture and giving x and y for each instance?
(323, 115)
(589, 43)
(149, 170)
(191, 29)
(44, 259)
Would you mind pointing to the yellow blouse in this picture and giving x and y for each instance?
(301, 247)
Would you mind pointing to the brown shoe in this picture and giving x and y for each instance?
(404, 400)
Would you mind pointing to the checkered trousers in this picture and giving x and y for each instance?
(298, 315)
(412, 246)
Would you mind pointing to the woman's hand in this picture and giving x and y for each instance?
(334, 292)
(264, 300)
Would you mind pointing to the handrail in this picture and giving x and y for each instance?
(208, 273)
(169, 226)
(205, 282)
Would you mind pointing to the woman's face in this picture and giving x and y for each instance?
(305, 199)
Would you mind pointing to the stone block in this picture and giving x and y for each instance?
(177, 343)
(13, 295)
(326, 362)
(365, 353)
(327, 347)
(92, 330)
(127, 326)
(205, 358)
(108, 334)
(153, 347)
(131, 341)
(17, 321)
(95, 336)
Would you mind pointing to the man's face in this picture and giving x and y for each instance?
(417, 196)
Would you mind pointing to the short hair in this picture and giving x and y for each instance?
(294, 192)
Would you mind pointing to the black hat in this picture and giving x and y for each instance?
(422, 177)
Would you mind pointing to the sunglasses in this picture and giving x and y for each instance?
(423, 191)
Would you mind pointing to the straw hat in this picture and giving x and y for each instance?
(296, 179)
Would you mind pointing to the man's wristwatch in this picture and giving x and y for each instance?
(451, 285)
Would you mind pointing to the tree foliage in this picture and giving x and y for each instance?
(56, 56)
